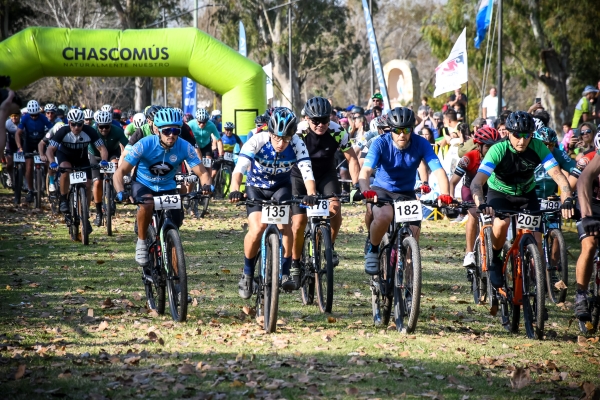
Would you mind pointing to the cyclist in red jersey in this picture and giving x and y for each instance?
(467, 166)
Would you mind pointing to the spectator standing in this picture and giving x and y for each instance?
(377, 100)
(438, 123)
(489, 107)
(583, 109)
(425, 120)
(458, 99)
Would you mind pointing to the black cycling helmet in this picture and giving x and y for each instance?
(520, 121)
(151, 111)
(261, 119)
(401, 117)
(317, 107)
(357, 110)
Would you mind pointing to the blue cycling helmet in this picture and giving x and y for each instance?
(546, 135)
(283, 122)
(166, 117)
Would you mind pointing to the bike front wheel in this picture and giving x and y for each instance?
(270, 287)
(18, 171)
(323, 269)
(557, 268)
(534, 293)
(39, 187)
(407, 286)
(307, 276)
(84, 215)
(176, 276)
(107, 199)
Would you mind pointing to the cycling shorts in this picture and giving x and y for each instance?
(395, 195)
(278, 193)
(326, 185)
(207, 150)
(75, 162)
(500, 201)
(577, 216)
(30, 145)
(139, 190)
(340, 160)
(96, 160)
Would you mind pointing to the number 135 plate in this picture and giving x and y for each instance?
(275, 215)
(408, 211)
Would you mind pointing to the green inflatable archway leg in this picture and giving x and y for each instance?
(38, 52)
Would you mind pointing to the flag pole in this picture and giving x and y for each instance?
(499, 57)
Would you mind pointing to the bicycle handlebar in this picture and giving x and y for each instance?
(146, 200)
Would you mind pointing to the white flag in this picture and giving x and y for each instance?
(453, 72)
(269, 71)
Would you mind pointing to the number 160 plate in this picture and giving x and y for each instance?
(275, 215)
(408, 211)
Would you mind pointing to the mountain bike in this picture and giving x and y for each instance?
(167, 259)
(524, 283)
(316, 260)
(18, 175)
(270, 257)
(79, 212)
(225, 169)
(554, 250)
(397, 286)
(108, 195)
(191, 204)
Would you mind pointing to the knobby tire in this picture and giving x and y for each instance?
(324, 269)
(176, 276)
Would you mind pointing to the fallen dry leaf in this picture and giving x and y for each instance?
(560, 285)
(186, 369)
(20, 372)
(103, 325)
(352, 391)
(132, 360)
(331, 320)
(520, 378)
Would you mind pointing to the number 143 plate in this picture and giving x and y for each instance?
(408, 211)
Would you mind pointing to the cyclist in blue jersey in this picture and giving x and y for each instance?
(157, 158)
(397, 157)
(544, 184)
(30, 132)
(50, 111)
(268, 158)
(229, 140)
(205, 133)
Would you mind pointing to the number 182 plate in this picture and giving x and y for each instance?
(408, 211)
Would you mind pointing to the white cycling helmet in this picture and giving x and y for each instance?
(216, 113)
(597, 140)
(103, 118)
(202, 115)
(88, 113)
(50, 107)
(139, 119)
(33, 107)
(106, 107)
(75, 115)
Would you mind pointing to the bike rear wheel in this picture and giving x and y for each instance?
(381, 295)
(324, 269)
(219, 192)
(176, 276)
(407, 286)
(107, 206)
(84, 215)
(534, 294)
(307, 275)
(271, 284)
(204, 205)
(557, 268)
(39, 185)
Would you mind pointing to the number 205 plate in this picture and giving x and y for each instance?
(168, 202)
(408, 211)
(321, 209)
(275, 215)
(529, 222)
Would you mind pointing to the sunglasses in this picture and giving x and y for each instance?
(522, 135)
(104, 126)
(320, 121)
(78, 124)
(279, 139)
(586, 132)
(202, 122)
(398, 131)
(170, 131)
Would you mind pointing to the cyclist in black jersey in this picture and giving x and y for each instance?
(322, 139)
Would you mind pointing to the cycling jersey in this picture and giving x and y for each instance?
(115, 137)
(34, 129)
(468, 165)
(229, 142)
(398, 168)
(268, 169)
(75, 146)
(56, 121)
(512, 173)
(156, 165)
(322, 148)
(130, 129)
(544, 184)
(583, 162)
(146, 130)
(203, 135)
(11, 128)
(50, 134)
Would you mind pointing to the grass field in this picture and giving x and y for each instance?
(74, 325)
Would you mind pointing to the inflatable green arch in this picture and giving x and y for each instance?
(38, 52)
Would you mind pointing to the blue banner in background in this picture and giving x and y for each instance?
(375, 55)
(242, 42)
(188, 97)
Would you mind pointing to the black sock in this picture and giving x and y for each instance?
(496, 253)
(374, 249)
(63, 197)
(99, 208)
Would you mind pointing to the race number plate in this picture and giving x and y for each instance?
(549, 205)
(207, 162)
(529, 222)
(37, 160)
(408, 211)
(168, 202)
(78, 177)
(321, 209)
(227, 156)
(485, 219)
(18, 157)
(275, 215)
(112, 167)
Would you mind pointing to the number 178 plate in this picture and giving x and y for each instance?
(408, 211)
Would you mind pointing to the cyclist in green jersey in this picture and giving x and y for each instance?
(508, 168)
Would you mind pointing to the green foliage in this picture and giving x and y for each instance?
(135, 14)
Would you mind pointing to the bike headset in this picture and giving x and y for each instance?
(165, 117)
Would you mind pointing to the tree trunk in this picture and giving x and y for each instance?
(143, 93)
(552, 87)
